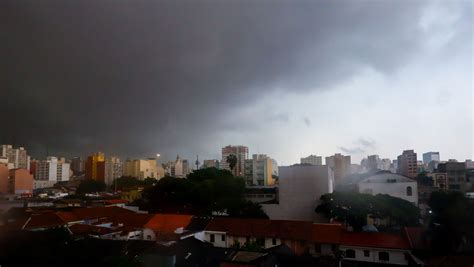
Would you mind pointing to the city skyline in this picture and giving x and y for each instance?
(81, 78)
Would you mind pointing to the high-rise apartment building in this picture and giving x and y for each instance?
(77, 165)
(52, 170)
(456, 174)
(430, 156)
(260, 170)
(407, 164)
(312, 160)
(143, 168)
(20, 182)
(241, 153)
(4, 175)
(16, 156)
(96, 167)
(114, 169)
(178, 168)
(341, 165)
(373, 162)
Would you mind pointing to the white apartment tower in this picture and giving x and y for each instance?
(18, 157)
(52, 170)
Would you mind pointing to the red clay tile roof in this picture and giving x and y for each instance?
(168, 223)
(295, 230)
(85, 229)
(134, 220)
(374, 240)
(100, 212)
(43, 220)
(326, 233)
(415, 238)
(67, 216)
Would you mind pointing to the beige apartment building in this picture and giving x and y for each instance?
(143, 168)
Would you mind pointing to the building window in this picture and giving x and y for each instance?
(384, 256)
(223, 238)
(274, 241)
(366, 253)
(212, 238)
(409, 191)
(350, 253)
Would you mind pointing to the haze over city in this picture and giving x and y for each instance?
(287, 80)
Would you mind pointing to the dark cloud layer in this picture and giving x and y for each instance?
(135, 77)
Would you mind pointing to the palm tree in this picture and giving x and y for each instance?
(232, 160)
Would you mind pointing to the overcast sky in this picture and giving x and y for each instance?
(288, 79)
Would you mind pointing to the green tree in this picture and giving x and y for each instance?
(170, 195)
(126, 182)
(205, 192)
(148, 182)
(247, 209)
(208, 174)
(354, 208)
(232, 161)
(90, 186)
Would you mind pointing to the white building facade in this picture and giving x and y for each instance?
(300, 190)
(51, 170)
(312, 160)
(391, 184)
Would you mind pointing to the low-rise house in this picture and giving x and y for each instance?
(113, 223)
(43, 221)
(391, 184)
(375, 247)
(326, 239)
(86, 230)
(233, 232)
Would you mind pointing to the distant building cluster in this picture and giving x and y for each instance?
(285, 192)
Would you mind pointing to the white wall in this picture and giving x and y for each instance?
(53, 170)
(230, 240)
(65, 169)
(395, 256)
(300, 190)
(149, 234)
(217, 238)
(393, 189)
(269, 242)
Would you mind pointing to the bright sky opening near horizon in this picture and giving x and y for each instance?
(286, 78)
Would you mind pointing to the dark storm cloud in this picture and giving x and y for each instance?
(136, 77)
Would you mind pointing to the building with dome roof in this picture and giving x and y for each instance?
(391, 184)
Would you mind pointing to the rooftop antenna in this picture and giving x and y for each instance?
(197, 162)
